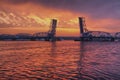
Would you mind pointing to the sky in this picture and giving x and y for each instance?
(32, 16)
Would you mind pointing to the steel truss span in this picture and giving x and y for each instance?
(97, 34)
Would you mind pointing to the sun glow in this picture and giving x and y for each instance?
(37, 18)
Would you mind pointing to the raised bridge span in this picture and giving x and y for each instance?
(85, 34)
(50, 35)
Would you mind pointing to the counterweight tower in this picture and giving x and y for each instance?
(82, 25)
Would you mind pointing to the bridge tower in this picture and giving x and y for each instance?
(52, 30)
(82, 25)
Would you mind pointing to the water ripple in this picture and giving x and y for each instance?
(65, 60)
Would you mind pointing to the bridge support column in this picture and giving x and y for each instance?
(81, 25)
(52, 32)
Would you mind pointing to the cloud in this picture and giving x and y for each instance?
(15, 1)
(95, 8)
(95, 11)
(12, 19)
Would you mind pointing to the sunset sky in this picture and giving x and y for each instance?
(32, 16)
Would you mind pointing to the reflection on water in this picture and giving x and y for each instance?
(65, 60)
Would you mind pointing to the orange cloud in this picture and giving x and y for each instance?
(38, 18)
(33, 18)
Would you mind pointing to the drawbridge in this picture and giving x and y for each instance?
(87, 35)
(50, 35)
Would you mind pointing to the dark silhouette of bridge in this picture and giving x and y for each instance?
(48, 36)
(85, 34)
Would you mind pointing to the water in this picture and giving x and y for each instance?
(64, 60)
